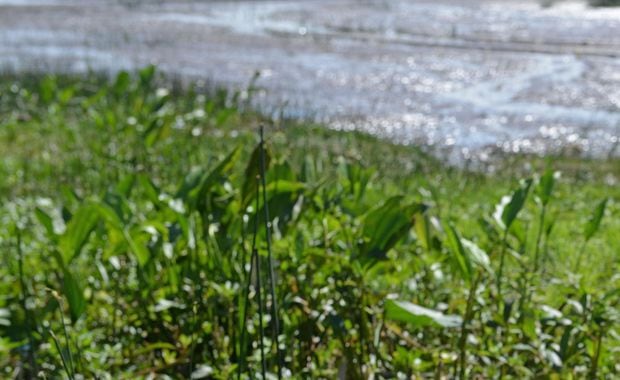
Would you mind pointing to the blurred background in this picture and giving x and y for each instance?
(468, 77)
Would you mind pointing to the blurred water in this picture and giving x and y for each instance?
(469, 76)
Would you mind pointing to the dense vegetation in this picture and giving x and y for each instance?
(129, 215)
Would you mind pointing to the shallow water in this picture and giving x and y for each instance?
(469, 76)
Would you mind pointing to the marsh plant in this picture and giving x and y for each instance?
(150, 232)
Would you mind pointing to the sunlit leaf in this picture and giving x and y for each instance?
(82, 223)
(509, 207)
(137, 245)
(478, 256)
(460, 258)
(423, 230)
(418, 316)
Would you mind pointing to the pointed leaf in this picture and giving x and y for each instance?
(509, 207)
(460, 258)
(478, 256)
(138, 248)
(74, 294)
(196, 186)
(545, 186)
(423, 230)
(47, 222)
(418, 316)
(81, 224)
(252, 170)
(385, 225)
(594, 222)
(123, 80)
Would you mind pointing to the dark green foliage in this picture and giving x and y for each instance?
(137, 206)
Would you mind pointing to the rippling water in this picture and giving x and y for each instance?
(471, 76)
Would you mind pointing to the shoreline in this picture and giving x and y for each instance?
(355, 71)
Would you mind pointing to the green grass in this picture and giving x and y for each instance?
(127, 214)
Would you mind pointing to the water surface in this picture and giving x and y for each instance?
(469, 76)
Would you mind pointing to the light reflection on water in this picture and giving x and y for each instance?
(465, 75)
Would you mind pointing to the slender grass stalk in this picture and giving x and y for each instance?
(64, 329)
(274, 300)
(242, 344)
(526, 294)
(260, 313)
(62, 356)
(539, 234)
(462, 345)
(500, 272)
(24, 291)
(597, 354)
(193, 341)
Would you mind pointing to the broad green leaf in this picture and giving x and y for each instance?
(460, 259)
(283, 186)
(545, 187)
(78, 230)
(125, 185)
(478, 255)
(282, 200)
(74, 294)
(138, 247)
(150, 189)
(252, 170)
(109, 215)
(146, 75)
(385, 225)
(423, 230)
(123, 80)
(594, 222)
(509, 207)
(358, 178)
(47, 88)
(46, 221)
(281, 171)
(196, 186)
(418, 316)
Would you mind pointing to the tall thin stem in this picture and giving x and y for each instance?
(260, 314)
(527, 294)
(597, 354)
(62, 357)
(539, 237)
(242, 352)
(464, 327)
(500, 272)
(274, 300)
(24, 291)
(66, 334)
